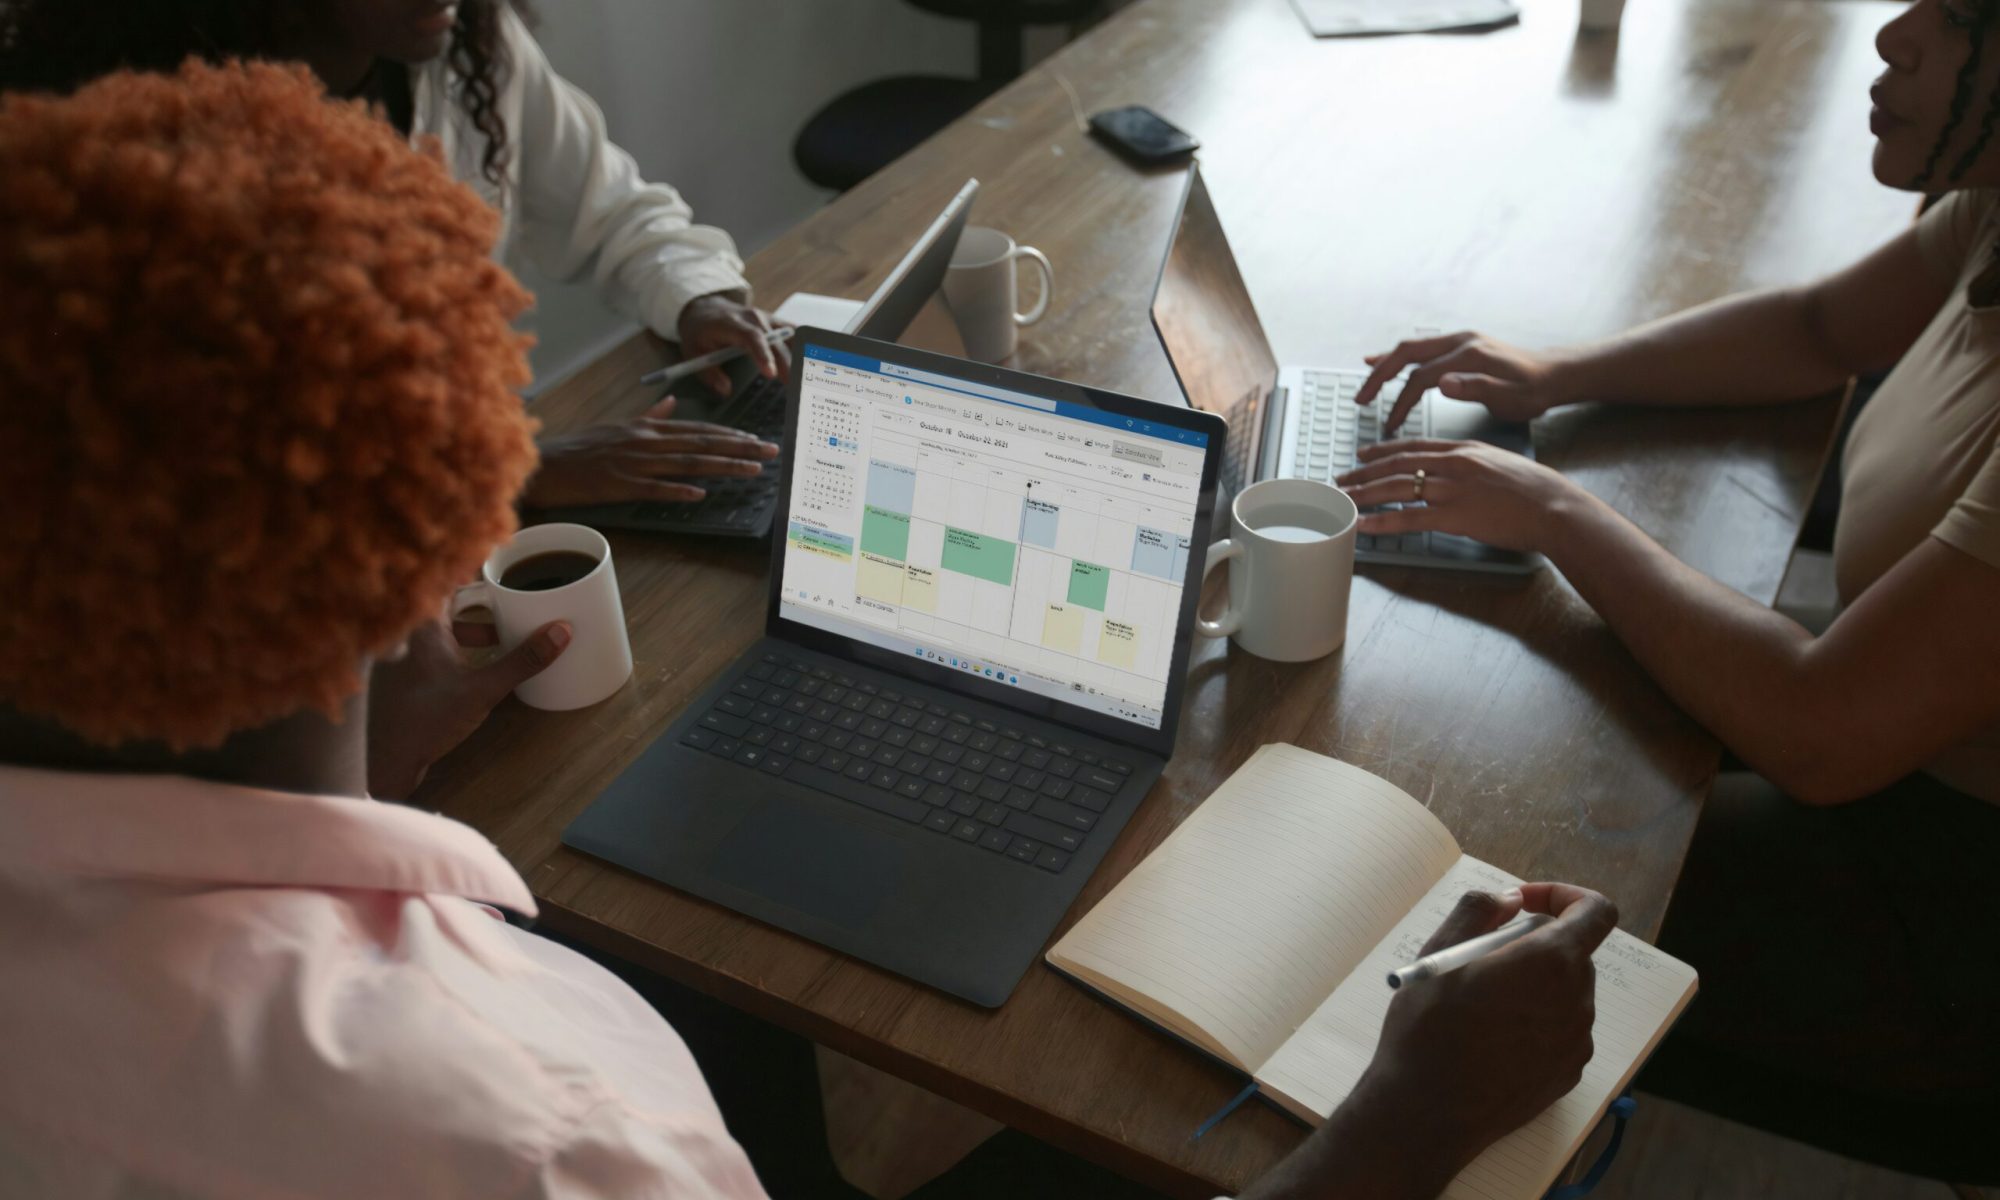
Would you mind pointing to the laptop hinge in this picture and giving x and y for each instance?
(1274, 432)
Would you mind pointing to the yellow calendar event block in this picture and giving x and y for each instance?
(920, 588)
(1118, 645)
(1062, 628)
(878, 578)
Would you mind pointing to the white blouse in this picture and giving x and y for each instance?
(574, 201)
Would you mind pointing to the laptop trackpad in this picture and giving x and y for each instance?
(820, 866)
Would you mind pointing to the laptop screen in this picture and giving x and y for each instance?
(1031, 542)
(1210, 329)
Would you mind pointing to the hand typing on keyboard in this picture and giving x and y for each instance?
(650, 457)
(1470, 488)
(1514, 384)
(1332, 428)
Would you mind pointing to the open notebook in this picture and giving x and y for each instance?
(1263, 930)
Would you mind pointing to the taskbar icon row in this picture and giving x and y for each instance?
(986, 670)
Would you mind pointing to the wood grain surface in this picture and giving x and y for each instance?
(1539, 185)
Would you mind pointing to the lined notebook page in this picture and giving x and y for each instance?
(1245, 918)
(1639, 993)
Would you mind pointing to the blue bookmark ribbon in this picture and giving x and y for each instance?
(1225, 1110)
(1621, 1111)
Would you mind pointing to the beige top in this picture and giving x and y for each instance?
(1922, 460)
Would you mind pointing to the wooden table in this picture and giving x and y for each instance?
(1536, 184)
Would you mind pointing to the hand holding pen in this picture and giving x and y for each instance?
(675, 372)
(1470, 1054)
(719, 322)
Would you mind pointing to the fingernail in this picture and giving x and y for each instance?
(1511, 897)
(559, 634)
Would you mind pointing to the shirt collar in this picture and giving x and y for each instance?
(170, 828)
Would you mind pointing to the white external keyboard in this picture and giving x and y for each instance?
(1332, 428)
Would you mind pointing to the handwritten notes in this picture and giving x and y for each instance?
(1639, 992)
(1264, 929)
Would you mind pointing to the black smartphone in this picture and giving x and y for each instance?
(1142, 135)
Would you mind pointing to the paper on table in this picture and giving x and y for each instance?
(823, 312)
(1639, 992)
(1249, 913)
(1350, 18)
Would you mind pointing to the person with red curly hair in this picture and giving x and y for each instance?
(469, 74)
(228, 971)
(231, 973)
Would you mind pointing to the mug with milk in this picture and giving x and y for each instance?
(1290, 552)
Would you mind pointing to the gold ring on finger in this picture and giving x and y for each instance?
(1417, 485)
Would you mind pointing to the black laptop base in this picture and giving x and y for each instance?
(934, 836)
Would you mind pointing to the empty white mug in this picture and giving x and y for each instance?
(598, 659)
(982, 292)
(1290, 552)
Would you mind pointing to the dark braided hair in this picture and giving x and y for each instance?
(479, 57)
(1961, 98)
(1978, 146)
(53, 46)
(1984, 288)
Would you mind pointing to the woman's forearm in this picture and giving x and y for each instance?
(1754, 348)
(1734, 665)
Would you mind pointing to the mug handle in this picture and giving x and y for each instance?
(472, 595)
(1232, 618)
(1048, 284)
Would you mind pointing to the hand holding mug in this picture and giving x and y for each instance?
(560, 573)
(425, 701)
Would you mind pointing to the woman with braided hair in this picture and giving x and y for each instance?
(1837, 901)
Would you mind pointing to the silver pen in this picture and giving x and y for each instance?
(1453, 957)
(714, 358)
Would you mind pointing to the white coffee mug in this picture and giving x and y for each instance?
(981, 291)
(1290, 552)
(598, 659)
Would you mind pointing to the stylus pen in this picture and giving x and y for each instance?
(1453, 957)
(714, 358)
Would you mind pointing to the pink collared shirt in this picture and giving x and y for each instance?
(210, 991)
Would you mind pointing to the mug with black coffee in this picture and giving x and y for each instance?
(558, 573)
(548, 570)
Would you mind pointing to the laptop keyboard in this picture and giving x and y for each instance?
(747, 502)
(1333, 430)
(1019, 793)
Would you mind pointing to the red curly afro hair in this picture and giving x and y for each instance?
(259, 403)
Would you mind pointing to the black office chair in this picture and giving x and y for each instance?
(861, 131)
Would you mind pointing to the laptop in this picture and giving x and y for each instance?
(1296, 422)
(974, 657)
(744, 507)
